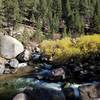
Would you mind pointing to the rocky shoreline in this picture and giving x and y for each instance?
(22, 72)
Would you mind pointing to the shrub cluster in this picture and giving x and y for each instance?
(66, 48)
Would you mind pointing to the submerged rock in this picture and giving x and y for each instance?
(46, 66)
(47, 85)
(44, 74)
(10, 47)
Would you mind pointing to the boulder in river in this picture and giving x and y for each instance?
(10, 47)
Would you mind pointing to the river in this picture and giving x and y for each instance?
(9, 88)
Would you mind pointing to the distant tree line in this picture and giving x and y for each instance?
(80, 16)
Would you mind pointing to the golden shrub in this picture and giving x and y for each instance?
(65, 48)
(47, 47)
(89, 43)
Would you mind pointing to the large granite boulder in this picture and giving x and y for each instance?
(10, 47)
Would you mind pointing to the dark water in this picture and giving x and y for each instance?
(8, 89)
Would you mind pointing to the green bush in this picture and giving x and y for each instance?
(26, 36)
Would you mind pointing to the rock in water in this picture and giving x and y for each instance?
(21, 96)
(10, 47)
(21, 65)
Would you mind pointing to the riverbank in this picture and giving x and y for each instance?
(21, 72)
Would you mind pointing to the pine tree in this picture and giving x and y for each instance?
(78, 23)
(69, 14)
(56, 14)
(96, 17)
(10, 12)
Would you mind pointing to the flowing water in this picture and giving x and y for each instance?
(10, 88)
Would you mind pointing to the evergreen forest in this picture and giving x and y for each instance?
(80, 16)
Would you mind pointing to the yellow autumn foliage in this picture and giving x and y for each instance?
(63, 49)
(47, 47)
(89, 43)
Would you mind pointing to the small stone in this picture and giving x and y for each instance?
(21, 65)
(58, 72)
(14, 63)
(7, 71)
(36, 57)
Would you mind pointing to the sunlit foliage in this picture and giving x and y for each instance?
(63, 49)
